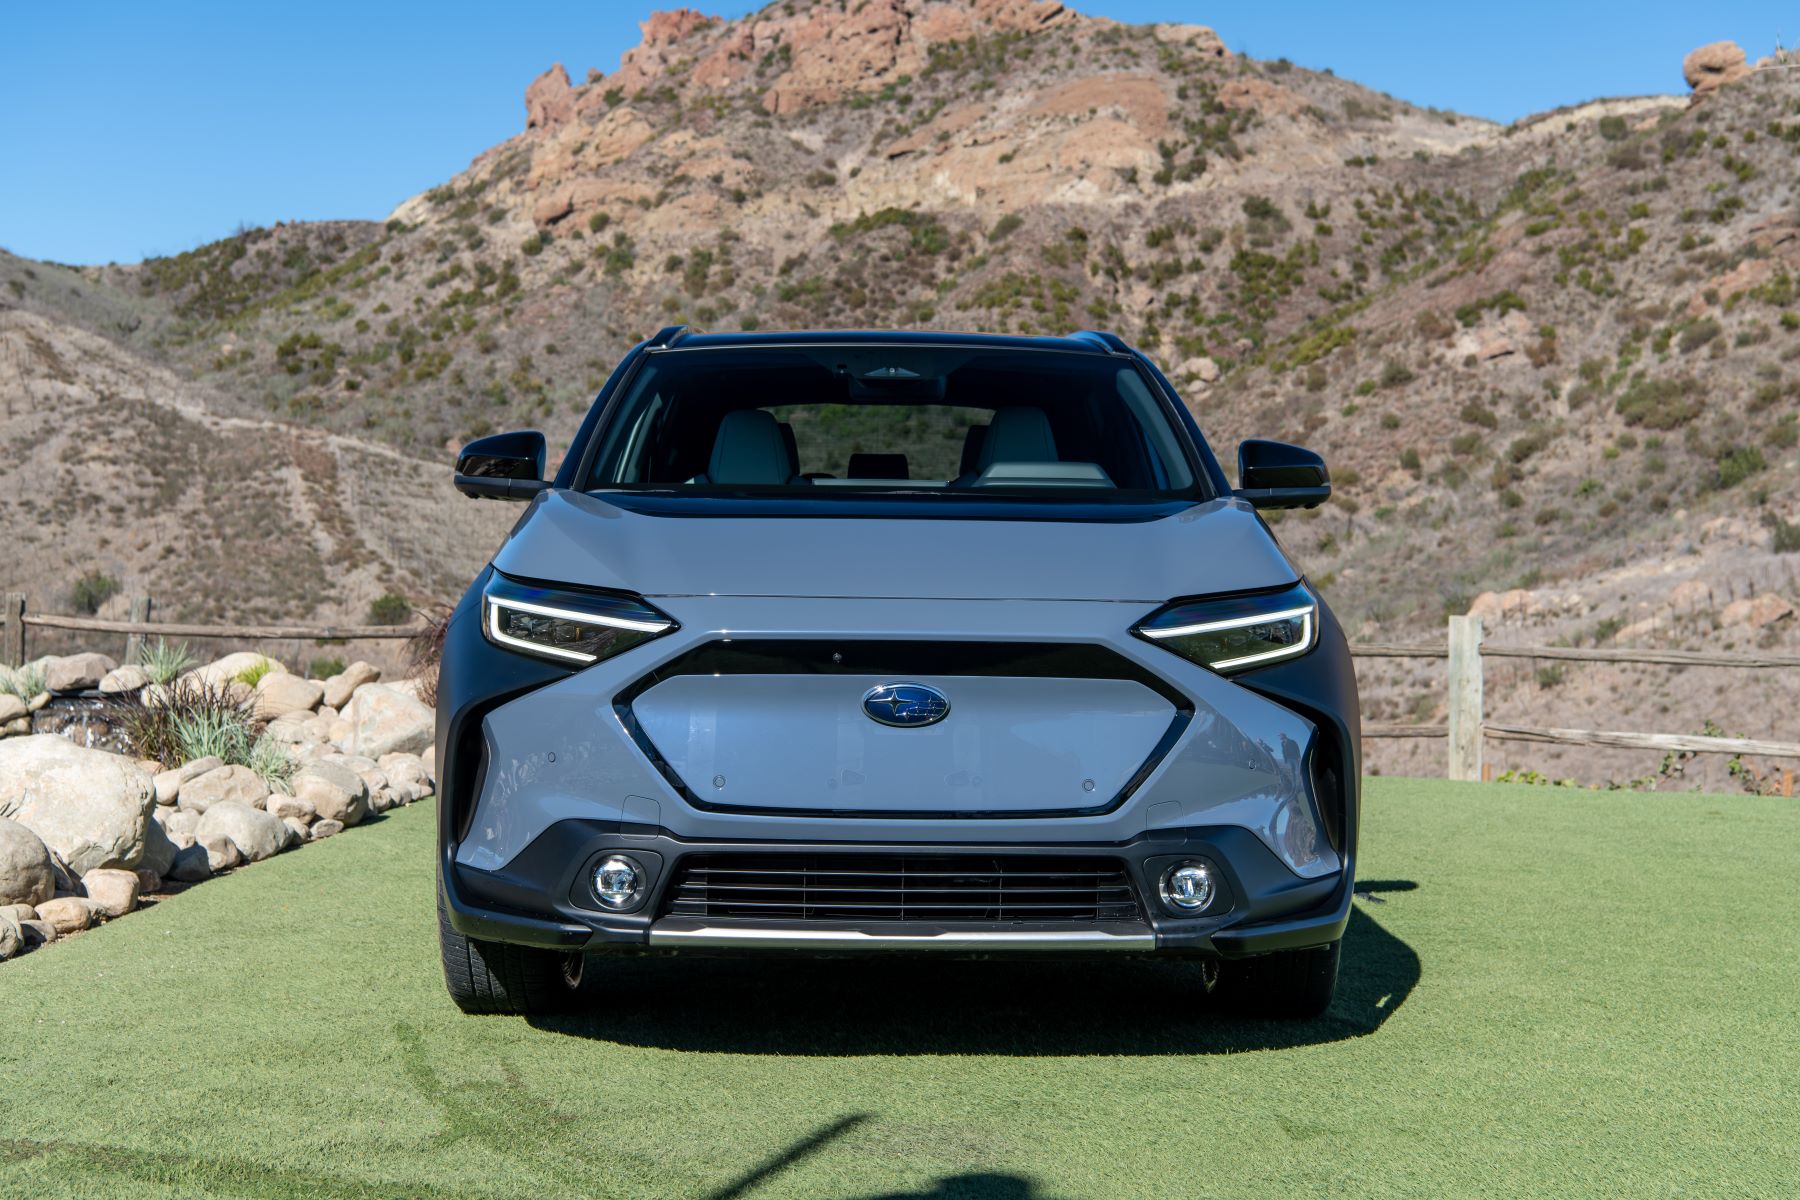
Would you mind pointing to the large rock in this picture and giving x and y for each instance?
(279, 694)
(290, 808)
(255, 833)
(66, 914)
(340, 687)
(1713, 66)
(110, 893)
(26, 875)
(90, 807)
(224, 670)
(12, 937)
(11, 708)
(123, 679)
(1757, 611)
(549, 100)
(193, 864)
(385, 721)
(168, 783)
(235, 784)
(159, 849)
(335, 792)
(324, 829)
(76, 672)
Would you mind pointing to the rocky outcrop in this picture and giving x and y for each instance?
(1713, 66)
(549, 100)
(90, 807)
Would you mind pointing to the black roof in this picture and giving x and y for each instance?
(1084, 342)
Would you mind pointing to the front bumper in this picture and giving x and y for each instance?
(542, 898)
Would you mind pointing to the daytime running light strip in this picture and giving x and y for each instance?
(1233, 623)
(495, 604)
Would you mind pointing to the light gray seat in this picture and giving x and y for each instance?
(749, 450)
(1018, 435)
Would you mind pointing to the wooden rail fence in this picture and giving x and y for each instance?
(1466, 731)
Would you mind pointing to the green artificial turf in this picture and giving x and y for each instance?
(1546, 992)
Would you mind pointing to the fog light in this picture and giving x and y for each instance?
(618, 881)
(1189, 887)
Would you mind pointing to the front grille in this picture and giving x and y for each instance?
(902, 887)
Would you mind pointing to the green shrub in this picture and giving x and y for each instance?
(1480, 414)
(92, 590)
(390, 609)
(324, 668)
(24, 682)
(1395, 374)
(162, 661)
(251, 675)
(598, 221)
(1659, 403)
(1696, 334)
(1613, 128)
(189, 719)
(1737, 464)
(1005, 227)
(1786, 535)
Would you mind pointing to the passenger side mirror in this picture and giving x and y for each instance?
(502, 466)
(1277, 475)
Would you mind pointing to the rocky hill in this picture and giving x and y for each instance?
(1553, 363)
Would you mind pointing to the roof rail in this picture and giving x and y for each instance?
(1110, 342)
(665, 337)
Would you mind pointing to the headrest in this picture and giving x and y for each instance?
(1019, 434)
(749, 450)
(877, 466)
(973, 439)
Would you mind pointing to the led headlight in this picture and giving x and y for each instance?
(1236, 633)
(568, 626)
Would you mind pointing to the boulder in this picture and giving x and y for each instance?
(1201, 39)
(340, 687)
(224, 670)
(222, 854)
(385, 721)
(110, 893)
(90, 807)
(176, 822)
(20, 912)
(159, 848)
(37, 932)
(1756, 611)
(66, 914)
(279, 694)
(123, 679)
(76, 672)
(290, 808)
(409, 769)
(12, 938)
(549, 100)
(168, 783)
(335, 792)
(324, 829)
(149, 882)
(1714, 65)
(192, 864)
(239, 785)
(297, 828)
(11, 708)
(26, 875)
(256, 834)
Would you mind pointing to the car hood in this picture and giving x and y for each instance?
(573, 538)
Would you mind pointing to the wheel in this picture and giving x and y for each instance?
(497, 977)
(1287, 985)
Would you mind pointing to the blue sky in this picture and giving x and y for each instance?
(131, 129)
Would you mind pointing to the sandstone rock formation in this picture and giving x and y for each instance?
(1714, 65)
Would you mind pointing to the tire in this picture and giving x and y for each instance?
(1290, 985)
(497, 977)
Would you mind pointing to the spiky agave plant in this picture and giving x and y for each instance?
(163, 662)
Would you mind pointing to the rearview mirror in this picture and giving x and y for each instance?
(502, 466)
(1277, 475)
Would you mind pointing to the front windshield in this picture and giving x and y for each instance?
(915, 419)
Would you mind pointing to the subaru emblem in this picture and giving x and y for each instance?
(906, 705)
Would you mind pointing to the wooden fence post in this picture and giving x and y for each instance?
(1465, 698)
(12, 636)
(134, 642)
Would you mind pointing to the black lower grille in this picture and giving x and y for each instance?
(902, 887)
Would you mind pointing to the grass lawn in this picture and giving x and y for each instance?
(1545, 992)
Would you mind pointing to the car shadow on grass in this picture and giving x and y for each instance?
(917, 1005)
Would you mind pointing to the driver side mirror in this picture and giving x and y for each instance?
(1277, 475)
(503, 466)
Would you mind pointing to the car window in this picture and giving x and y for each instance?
(813, 420)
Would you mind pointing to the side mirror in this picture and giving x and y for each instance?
(1277, 475)
(502, 466)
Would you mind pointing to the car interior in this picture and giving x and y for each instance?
(887, 418)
